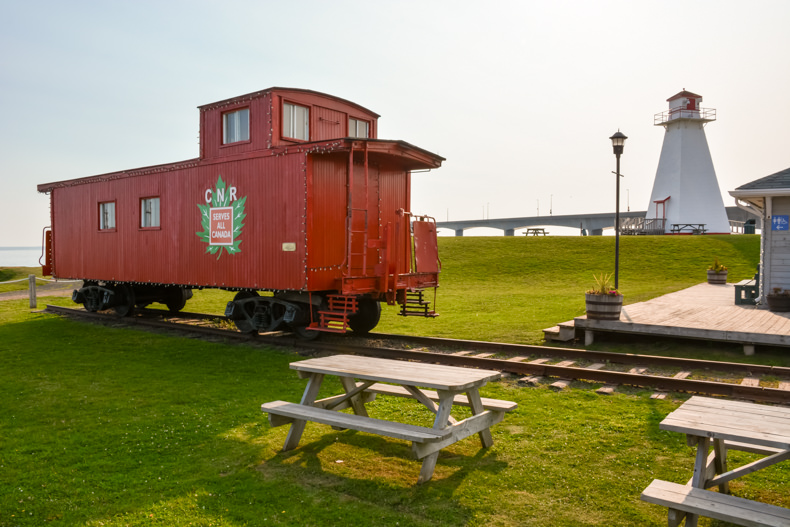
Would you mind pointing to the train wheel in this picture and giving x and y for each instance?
(244, 324)
(177, 299)
(304, 333)
(124, 300)
(367, 317)
(93, 299)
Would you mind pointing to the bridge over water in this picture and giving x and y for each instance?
(588, 224)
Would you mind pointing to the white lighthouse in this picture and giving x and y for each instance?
(686, 194)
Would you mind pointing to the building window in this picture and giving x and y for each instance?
(296, 121)
(107, 216)
(236, 126)
(357, 128)
(149, 212)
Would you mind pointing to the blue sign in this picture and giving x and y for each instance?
(780, 223)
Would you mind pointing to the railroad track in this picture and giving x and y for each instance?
(558, 367)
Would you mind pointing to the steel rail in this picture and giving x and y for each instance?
(596, 356)
(656, 382)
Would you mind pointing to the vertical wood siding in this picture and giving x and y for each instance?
(779, 250)
(275, 206)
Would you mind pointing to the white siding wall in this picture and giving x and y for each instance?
(778, 247)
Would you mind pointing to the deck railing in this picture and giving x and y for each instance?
(636, 226)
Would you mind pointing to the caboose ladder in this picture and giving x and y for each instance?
(357, 219)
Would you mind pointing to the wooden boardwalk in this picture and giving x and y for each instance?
(703, 311)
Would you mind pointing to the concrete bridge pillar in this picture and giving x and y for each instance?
(510, 232)
(459, 232)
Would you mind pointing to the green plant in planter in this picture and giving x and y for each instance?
(717, 267)
(603, 286)
(603, 302)
(717, 273)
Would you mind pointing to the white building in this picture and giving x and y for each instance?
(769, 197)
(686, 198)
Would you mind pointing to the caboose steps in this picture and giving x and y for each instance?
(415, 305)
(336, 318)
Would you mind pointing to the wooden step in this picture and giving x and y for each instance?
(563, 332)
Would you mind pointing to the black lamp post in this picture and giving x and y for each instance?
(618, 140)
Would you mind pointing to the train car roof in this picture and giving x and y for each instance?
(408, 155)
(256, 94)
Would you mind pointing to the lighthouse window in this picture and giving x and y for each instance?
(357, 128)
(149, 212)
(236, 126)
(296, 121)
(107, 216)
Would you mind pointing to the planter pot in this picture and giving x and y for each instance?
(717, 278)
(603, 307)
(778, 303)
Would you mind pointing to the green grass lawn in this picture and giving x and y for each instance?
(510, 289)
(103, 425)
(12, 274)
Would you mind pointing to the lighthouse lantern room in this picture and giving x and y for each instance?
(686, 197)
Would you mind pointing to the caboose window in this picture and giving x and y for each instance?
(107, 215)
(236, 126)
(296, 121)
(149, 212)
(357, 128)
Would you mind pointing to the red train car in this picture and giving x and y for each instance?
(292, 194)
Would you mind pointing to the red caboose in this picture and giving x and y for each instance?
(292, 194)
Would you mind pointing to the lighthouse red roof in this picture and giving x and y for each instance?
(684, 93)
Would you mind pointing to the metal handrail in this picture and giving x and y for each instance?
(703, 114)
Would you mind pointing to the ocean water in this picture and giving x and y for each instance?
(19, 256)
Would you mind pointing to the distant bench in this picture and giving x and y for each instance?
(536, 231)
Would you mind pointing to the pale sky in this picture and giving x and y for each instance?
(519, 96)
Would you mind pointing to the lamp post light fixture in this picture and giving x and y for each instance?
(618, 141)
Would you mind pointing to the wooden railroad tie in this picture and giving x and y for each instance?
(608, 389)
(661, 394)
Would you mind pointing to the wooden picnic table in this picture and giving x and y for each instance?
(724, 425)
(365, 377)
(695, 228)
(536, 231)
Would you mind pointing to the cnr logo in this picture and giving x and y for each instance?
(221, 219)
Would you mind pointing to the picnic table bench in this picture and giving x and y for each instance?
(695, 228)
(724, 425)
(692, 500)
(365, 377)
(536, 231)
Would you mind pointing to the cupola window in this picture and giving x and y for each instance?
(236, 126)
(296, 122)
(357, 128)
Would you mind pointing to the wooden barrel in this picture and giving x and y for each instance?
(717, 278)
(603, 307)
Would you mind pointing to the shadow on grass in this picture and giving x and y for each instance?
(388, 464)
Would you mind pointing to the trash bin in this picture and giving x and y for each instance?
(748, 227)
